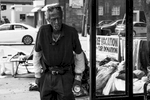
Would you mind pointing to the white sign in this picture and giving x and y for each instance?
(107, 46)
(18, 8)
(76, 3)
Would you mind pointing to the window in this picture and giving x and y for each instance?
(22, 17)
(115, 10)
(3, 7)
(5, 27)
(137, 25)
(111, 57)
(143, 25)
(19, 27)
(100, 10)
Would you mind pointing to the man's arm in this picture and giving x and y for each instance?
(79, 68)
(79, 65)
(37, 64)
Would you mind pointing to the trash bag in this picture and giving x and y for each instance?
(102, 76)
(33, 87)
(106, 60)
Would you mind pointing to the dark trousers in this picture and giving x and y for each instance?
(56, 87)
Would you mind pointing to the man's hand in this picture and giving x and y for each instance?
(77, 82)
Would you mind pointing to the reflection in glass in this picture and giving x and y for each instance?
(110, 48)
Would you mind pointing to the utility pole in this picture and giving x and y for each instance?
(85, 18)
(0, 12)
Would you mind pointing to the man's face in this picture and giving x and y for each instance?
(56, 20)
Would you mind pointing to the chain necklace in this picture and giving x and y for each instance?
(55, 37)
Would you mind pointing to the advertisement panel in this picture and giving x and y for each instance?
(107, 46)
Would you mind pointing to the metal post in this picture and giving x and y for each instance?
(0, 12)
(129, 48)
(93, 21)
(85, 17)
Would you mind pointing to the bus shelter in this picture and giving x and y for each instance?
(109, 83)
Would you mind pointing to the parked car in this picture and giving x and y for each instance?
(138, 28)
(104, 22)
(120, 29)
(17, 32)
(100, 24)
(110, 28)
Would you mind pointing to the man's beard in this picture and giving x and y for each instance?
(57, 27)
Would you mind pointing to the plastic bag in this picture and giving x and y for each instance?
(102, 77)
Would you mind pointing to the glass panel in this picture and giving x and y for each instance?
(5, 27)
(110, 48)
(140, 46)
(19, 27)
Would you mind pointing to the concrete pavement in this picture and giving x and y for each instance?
(18, 88)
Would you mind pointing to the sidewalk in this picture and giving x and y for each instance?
(18, 88)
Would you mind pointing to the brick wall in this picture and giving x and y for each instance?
(137, 4)
(74, 17)
(107, 9)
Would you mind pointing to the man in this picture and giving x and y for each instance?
(58, 58)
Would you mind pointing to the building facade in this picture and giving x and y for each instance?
(22, 14)
(116, 9)
(73, 15)
(111, 9)
(17, 12)
(108, 9)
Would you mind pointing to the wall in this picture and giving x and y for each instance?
(29, 20)
(74, 17)
(16, 12)
(107, 9)
(6, 12)
(22, 9)
(137, 4)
